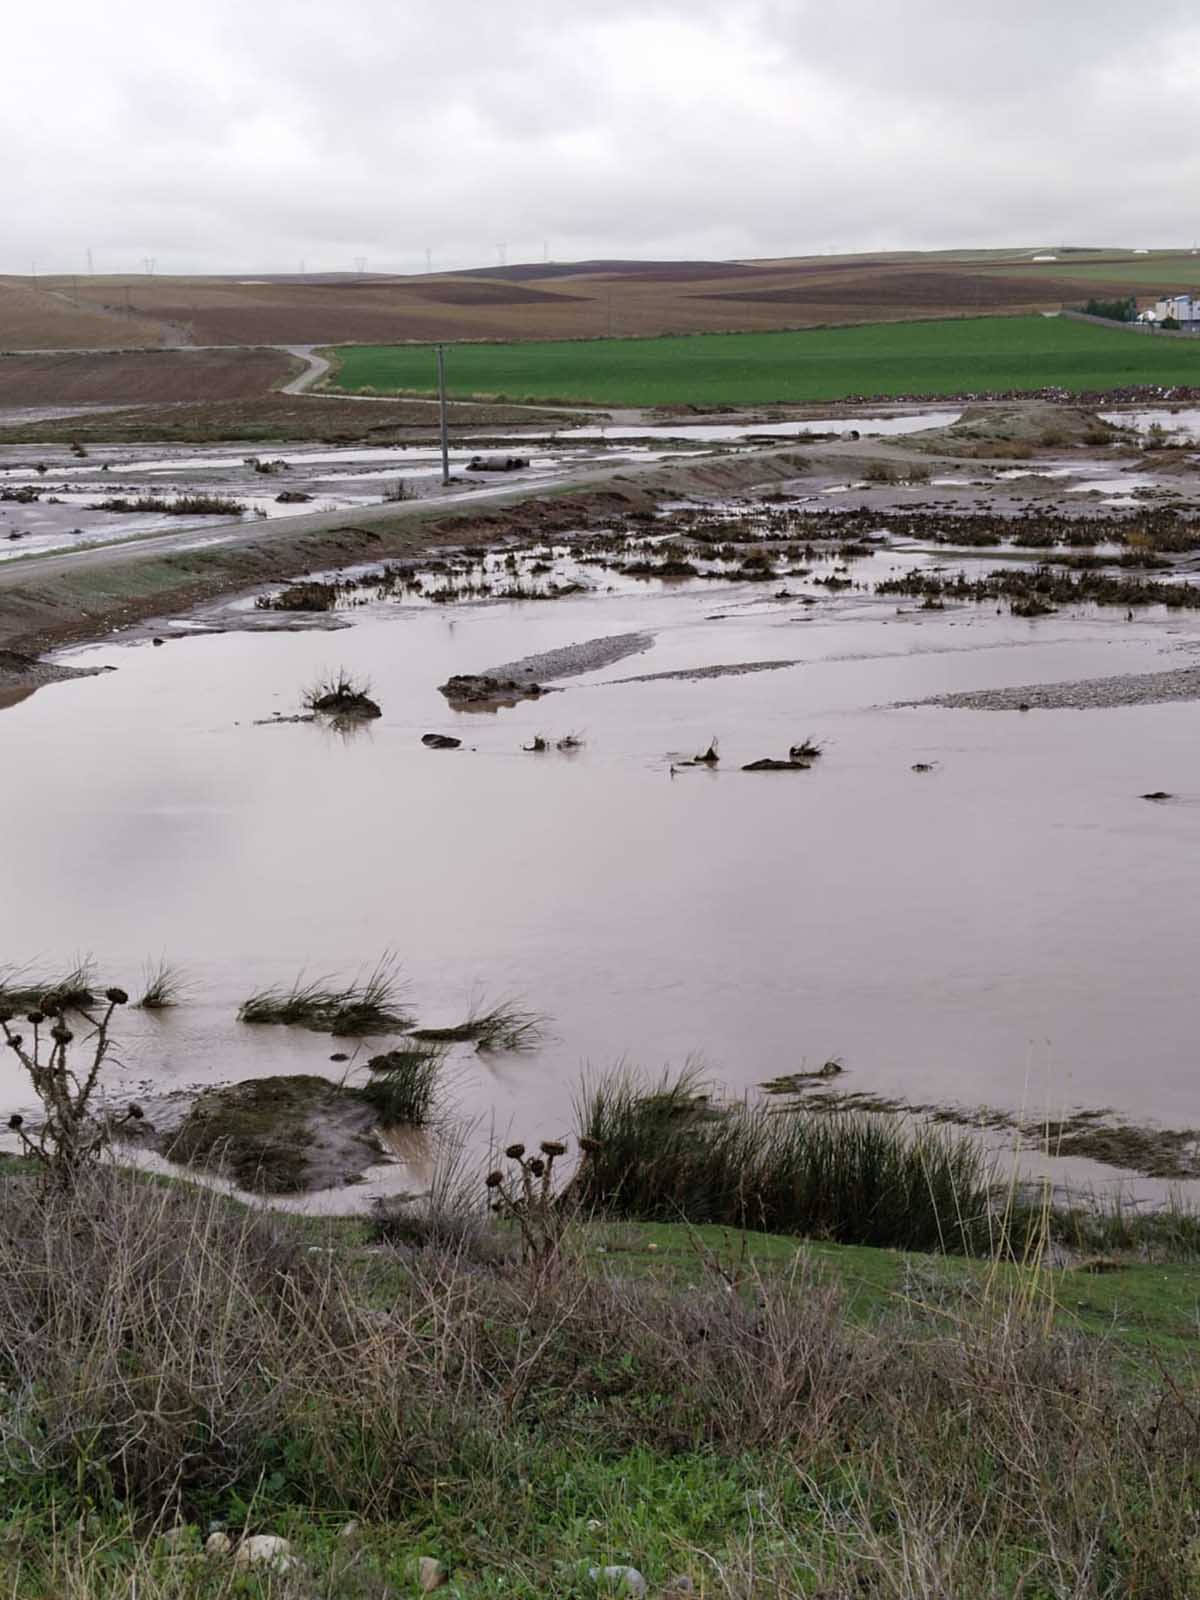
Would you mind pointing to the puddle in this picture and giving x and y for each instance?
(1011, 928)
(1182, 423)
(60, 513)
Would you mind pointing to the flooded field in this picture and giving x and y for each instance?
(960, 906)
(54, 499)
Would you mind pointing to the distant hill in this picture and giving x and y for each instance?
(580, 299)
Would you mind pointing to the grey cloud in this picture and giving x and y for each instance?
(229, 136)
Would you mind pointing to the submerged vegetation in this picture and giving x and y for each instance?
(184, 505)
(1038, 590)
(370, 1003)
(506, 1026)
(337, 694)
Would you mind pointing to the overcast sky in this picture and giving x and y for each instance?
(229, 137)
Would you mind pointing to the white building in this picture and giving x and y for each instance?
(1184, 308)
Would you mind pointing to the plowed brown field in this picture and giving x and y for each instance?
(34, 316)
(562, 301)
(140, 376)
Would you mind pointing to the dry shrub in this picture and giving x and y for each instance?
(141, 1331)
(158, 1343)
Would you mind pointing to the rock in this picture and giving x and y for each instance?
(679, 1585)
(431, 1574)
(158, 641)
(440, 741)
(497, 463)
(218, 1544)
(176, 1539)
(265, 1550)
(1157, 794)
(350, 1531)
(618, 1580)
(480, 688)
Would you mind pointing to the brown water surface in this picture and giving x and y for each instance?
(1014, 927)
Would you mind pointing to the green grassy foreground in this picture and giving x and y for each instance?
(764, 1416)
(920, 358)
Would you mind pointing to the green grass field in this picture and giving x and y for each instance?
(918, 358)
(1167, 272)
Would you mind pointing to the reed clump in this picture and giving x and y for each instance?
(402, 1088)
(369, 1003)
(672, 1152)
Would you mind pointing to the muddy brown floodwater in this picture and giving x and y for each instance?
(1014, 926)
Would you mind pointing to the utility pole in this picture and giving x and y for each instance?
(502, 252)
(428, 259)
(360, 266)
(445, 430)
(89, 259)
(149, 263)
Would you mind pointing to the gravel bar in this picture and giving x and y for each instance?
(571, 659)
(1089, 694)
(735, 669)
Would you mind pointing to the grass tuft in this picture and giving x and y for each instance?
(21, 987)
(369, 1004)
(164, 985)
